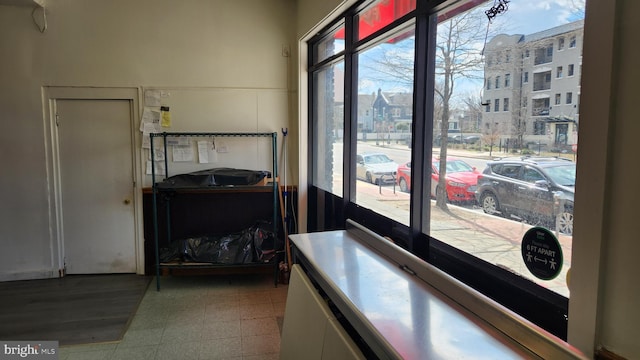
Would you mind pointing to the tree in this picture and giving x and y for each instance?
(473, 111)
(457, 56)
(519, 116)
(491, 136)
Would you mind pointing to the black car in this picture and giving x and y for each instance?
(537, 190)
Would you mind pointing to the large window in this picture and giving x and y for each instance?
(417, 127)
(385, 87)
(328, 112)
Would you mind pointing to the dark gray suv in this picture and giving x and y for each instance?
(537, 190)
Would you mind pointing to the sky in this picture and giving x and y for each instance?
(522, 17)
(527, 17)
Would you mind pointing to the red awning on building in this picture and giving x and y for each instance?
(384, 12)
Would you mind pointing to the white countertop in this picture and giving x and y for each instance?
(398, 314)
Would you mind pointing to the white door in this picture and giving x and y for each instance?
(96, 175)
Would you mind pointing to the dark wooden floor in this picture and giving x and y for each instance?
(76, 309)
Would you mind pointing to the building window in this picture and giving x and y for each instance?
(525, 77)
(559, 72)
(496, 105)
(497, 82)
(507, 56)
(558, 99)
(507, 80)
(379, 167)
(505, 104)
(328, 117)
(539, 127)
(569, 99)
(527, 53)
(487, 107)
(570, 70)
(540, 107)
(542, 81)
(488, 83)
(560, 43)
(543, 55)
(572, 41)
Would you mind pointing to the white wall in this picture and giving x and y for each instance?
(619, 319)
(24, 218)
(215, 47)
(603, 311)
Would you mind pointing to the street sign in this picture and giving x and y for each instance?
(542, 253)
(574, 147)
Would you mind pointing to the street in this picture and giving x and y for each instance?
(465, 226)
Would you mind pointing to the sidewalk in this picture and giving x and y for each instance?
(492, 238)
(486, 155)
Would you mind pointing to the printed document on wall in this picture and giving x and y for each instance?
(207, 152)
(183, 153)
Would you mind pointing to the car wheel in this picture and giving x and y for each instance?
(404, 187)
(489, 203)
(564, 222)
(369, 178)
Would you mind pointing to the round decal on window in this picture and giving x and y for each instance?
(542, 253)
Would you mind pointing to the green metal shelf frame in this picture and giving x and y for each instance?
(164, 135)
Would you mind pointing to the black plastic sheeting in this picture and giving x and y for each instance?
(252, 245)
(215, 177)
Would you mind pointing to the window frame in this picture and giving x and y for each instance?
(541, 306)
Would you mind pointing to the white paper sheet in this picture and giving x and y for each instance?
(183, 153)
(203, 151)
(159, 167)
(152, 98)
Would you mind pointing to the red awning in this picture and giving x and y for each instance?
(382, 14)
(386, 11)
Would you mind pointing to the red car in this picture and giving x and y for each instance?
(462, 179)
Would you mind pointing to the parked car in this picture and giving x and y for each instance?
(376, 168)
(537, 190)
(471, 139)
(461, 179)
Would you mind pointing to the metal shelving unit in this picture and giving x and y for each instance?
(274, 189)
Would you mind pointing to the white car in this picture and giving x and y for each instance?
(376, 168)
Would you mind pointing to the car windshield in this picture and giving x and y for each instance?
(377, 159)
(454, 166)
(564, 175)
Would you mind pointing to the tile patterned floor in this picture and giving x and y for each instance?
(200, 318)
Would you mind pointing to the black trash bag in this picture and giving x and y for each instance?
(214, 177)
(264, 242)
(235, 248)
(170, 253)
(255, 244)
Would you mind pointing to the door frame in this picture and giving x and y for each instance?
(50, 94)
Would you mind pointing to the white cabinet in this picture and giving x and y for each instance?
(310, 330)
